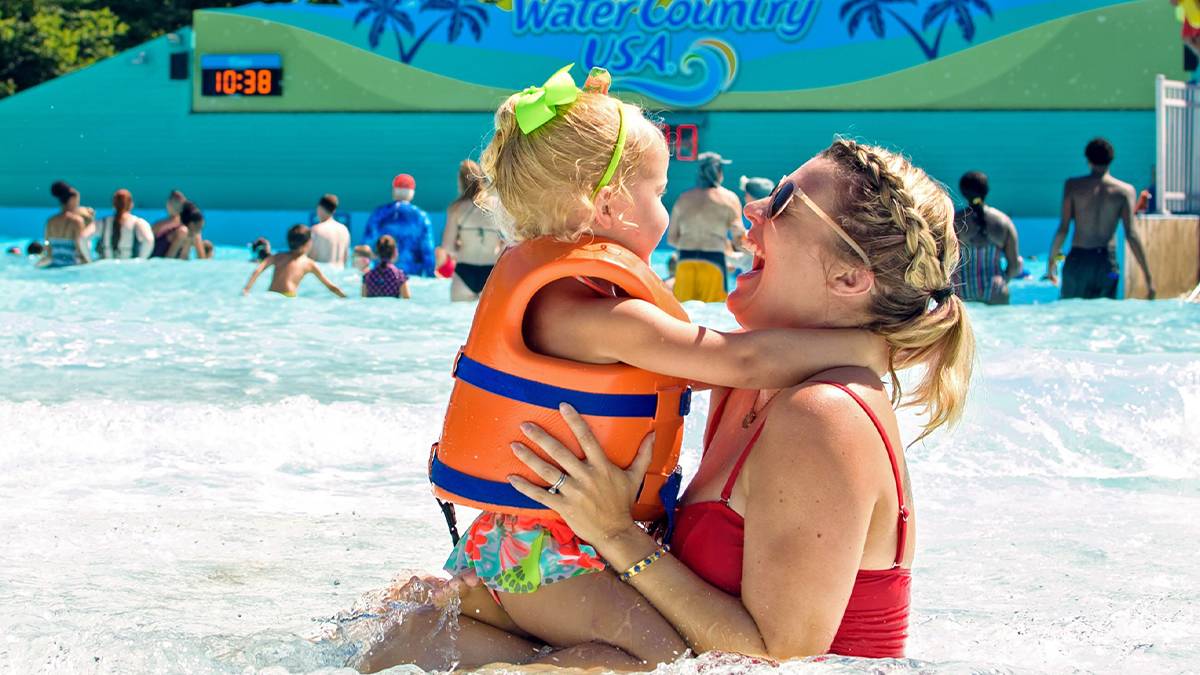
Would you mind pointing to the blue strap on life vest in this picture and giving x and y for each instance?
(668, 494)
(548, 396)
(500, 493)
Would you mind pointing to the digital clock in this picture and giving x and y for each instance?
(241, 75)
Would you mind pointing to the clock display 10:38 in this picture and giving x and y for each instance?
(241, 82)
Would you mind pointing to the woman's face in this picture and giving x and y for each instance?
(798, 278)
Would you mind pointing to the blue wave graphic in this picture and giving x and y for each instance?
(712, 59)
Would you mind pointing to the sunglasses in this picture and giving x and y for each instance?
(783, 196)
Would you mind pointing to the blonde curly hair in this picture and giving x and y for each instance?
(904, 220)
(544, 180)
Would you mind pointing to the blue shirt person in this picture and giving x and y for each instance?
(408, 225)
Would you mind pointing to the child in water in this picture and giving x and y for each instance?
(556, 180)
(292, 266)
(385, 280)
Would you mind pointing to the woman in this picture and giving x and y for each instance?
(986, 235)
(124, 235)
(181, 240)
(67, 231)
(472, 237)
(164, 230)
(797, 534)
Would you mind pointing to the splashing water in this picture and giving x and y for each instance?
(187, 477)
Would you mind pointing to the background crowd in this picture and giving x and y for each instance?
(706, 230)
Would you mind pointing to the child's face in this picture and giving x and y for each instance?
(639, 223)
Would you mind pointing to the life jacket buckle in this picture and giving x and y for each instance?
(457, 358)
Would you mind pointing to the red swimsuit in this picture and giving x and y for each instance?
(709, 537)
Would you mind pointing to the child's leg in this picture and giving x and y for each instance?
(421, 639)
(595, 607)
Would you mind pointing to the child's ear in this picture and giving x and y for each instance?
(603, 206)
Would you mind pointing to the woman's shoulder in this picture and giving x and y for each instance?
(833, 409)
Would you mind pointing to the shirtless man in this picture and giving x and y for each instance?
(703, 221)
(292, 266)
(330, 238)
(1095, 202)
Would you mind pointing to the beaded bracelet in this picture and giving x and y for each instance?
(640, 566)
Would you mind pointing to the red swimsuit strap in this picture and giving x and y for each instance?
(902, 526)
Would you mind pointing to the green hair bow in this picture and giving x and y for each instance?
(538, 105)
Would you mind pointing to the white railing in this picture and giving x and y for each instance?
(1177, 116)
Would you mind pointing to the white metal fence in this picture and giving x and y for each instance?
(1177, 106)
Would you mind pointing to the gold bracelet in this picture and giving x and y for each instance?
(641, 565)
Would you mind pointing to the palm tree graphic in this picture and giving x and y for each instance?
(461, 15)
(940, 12)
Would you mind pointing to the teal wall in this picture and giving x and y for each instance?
(122, 123)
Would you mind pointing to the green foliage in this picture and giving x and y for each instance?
(42, 39)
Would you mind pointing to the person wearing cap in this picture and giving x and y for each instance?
(408, 225)
(754, 189)
(705, 221)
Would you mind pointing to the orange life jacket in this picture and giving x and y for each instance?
(501, 383)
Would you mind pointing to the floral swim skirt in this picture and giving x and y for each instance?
(520, 554)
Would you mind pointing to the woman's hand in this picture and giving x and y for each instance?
(596, 496)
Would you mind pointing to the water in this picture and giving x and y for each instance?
(188, 478)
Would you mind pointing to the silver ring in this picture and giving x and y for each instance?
(553, 489)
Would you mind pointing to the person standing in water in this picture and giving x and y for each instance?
(408, 225)
(986, 235)
(182, 239)
(175, 201)
(124, 235)
(472, 236)
(67, 231)
(293, 266)
(330, 238)
(1096, 202)
(703, 222)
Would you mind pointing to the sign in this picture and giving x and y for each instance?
(710, 55)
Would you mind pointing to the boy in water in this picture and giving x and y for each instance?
(292, 266)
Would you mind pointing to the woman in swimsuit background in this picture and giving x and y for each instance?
(68, 231)
(987, 236)
(472, 236)
(797, 535)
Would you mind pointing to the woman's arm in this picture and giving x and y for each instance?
(808, 502)
(405, 293)
(179, 245)
(81, 240)
(601, 330)
(315, 270)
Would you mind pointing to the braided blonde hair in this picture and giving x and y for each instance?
(904, 220)
(544, 180)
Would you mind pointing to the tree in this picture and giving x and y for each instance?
(42, 40)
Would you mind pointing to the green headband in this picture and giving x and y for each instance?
(538, 105)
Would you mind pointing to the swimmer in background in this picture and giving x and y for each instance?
(293, 266)
(985, 235)
(186, 237)
(66, 231)
(260, 250)
(472, 236)
(330, 238)
(363, 257)
(1096, 202)
(175, 201)
(705, 221)
(385, 280)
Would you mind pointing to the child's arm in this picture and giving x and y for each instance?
(316, 270)
(262, 267)
(404, 292)
(600, 330)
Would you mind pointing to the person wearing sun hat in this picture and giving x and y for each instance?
(705, 222)
(408, 225)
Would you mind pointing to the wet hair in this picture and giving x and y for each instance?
(190, 214)
(329, 203)
(544, 180)
(261, 248)
(122, 201)
(904, 220)
(35, 248)
(1100, 152)
(62, 191)
(385, 248)
(298, 236)
(974, 186)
